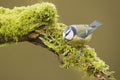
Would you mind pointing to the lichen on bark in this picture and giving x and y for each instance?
(38, 24)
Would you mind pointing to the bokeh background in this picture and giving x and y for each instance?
(25, 61)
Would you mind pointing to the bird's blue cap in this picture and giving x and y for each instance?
(74, 29)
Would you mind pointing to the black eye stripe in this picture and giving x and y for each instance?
(67, 33)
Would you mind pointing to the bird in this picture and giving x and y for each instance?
(80, 34)
(81, 31)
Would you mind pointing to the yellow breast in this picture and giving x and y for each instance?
(77, 41)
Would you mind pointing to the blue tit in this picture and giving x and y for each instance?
(80, 34)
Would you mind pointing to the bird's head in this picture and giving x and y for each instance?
(69, 32)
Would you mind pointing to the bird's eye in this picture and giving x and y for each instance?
(69, 35)
(67, 32)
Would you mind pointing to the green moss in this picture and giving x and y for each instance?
(18, 22)
(88, 61)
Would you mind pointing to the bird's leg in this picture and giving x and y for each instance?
(79, 52)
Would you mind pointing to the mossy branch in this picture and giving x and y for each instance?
(38, 25)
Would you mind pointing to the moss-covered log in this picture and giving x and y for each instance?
(18, 22)
(38, 24)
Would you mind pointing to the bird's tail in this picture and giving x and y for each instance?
(95, 24)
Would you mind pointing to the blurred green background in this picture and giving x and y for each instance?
(25, 61)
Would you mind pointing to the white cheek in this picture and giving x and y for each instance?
(70, 36)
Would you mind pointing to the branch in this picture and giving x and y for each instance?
(38, 25)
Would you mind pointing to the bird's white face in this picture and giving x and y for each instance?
(68, 33)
